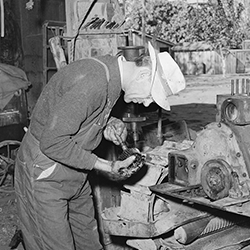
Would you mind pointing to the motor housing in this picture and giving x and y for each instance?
(219, 158)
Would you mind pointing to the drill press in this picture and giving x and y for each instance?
(131, 115)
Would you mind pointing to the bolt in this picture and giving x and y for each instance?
(231, 136)
(179, 164)
(193, 166)
(234, 174)
(219, 124)
(244, 175)
(238, 154)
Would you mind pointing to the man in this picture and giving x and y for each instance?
(54, 197)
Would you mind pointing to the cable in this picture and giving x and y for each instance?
(79, 28)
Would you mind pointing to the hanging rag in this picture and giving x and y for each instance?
(12, 80)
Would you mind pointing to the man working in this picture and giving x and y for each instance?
(54, 196)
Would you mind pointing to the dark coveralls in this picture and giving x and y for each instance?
(55, 205)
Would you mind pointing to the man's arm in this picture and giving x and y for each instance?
(57, 140)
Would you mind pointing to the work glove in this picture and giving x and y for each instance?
(115, 127)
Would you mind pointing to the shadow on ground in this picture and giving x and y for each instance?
(197, 116)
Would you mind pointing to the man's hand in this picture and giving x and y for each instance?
(117, 170)
(115, 127)
(121, 170)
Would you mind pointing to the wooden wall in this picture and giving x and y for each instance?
(31, 23)
(210, 62)
(195, 62)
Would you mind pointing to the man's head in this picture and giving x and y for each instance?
(154, 78)
(136, 80)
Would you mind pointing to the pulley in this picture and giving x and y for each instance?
(216, 179)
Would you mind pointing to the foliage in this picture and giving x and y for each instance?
(218, 23)
(163, 18)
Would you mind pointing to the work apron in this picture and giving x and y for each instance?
(54, 201)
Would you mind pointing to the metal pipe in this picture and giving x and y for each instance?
(232, 87)
(2, 17)
(243, 86)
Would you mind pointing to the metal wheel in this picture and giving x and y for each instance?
(8, 150)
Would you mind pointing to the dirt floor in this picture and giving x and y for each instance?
(8, 214)
(196, 115)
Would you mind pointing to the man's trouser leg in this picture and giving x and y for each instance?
(81, 217)
(56, 210)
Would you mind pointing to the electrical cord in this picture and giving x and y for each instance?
(79, 28)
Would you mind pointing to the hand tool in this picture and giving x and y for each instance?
(127, 152)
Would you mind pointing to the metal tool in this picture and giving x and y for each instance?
(127, 152)
(188, 232)
(121, 142)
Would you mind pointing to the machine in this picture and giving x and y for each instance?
(200, 187)
(212, 176)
